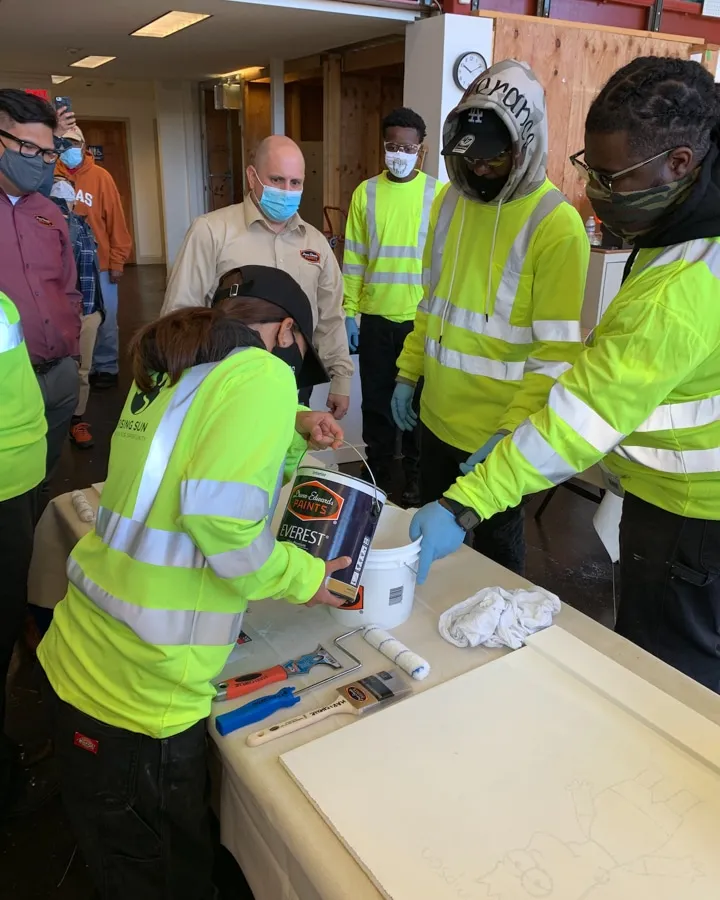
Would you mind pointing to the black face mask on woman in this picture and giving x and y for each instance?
(291, 356)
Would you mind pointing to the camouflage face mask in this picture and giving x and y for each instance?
(628, 215)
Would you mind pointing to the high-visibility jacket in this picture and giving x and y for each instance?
(645, 390)
(384, 240)
(499, 318)
(22, 411)
(181, 544)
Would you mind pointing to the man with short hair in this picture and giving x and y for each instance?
(265, 229)
(37, 268)
(382, 272)
(98, 199)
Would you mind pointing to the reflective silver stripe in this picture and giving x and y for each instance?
(428, 197)
(678, 462)
(11, 336)
(699, 251)
(510, 280)
(400, 252)
(147, 545)
(356, 247)
(233, 499)
(165, 437)
(243, 560)
(442, 226)
(478, 323)
(551, 368)
(413, 278)
(423, 306)
(426, 277)
(371, 212)
(689, 414)
(162, 627)
(540, 455)
(354, 269)
(589, 424)
(474, 365)
(557, 330)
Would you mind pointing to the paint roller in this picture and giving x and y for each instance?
(404, 659)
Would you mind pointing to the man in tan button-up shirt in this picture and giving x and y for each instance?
(245, 234)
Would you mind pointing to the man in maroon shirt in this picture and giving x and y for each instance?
(37, 267)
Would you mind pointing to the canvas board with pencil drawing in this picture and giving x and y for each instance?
(550, 773)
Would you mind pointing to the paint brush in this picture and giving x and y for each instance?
(359, 698)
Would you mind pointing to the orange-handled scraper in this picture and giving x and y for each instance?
(242, 685)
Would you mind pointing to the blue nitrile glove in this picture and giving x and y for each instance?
(440, 533)
(402, 408)
(353, 333)
(482, 454)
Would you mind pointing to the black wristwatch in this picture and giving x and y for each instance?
(465, 516)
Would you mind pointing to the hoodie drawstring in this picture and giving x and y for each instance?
(454, 269)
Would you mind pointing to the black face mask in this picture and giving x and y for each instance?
(485, 187)
(291, 356)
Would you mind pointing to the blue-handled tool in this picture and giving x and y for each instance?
(257, 710)
(262, 707)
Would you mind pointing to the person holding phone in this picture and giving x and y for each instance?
(157, 591)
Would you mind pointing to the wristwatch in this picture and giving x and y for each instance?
(465, 516)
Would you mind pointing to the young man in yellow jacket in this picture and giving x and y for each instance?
(382, 273)
(645, 392)
(504, 265)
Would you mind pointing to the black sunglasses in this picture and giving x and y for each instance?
(28, 149)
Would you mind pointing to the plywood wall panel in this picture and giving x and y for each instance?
(573, 63)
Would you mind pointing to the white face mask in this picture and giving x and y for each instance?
(400, 164)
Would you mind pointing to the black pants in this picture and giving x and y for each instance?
(670, 588)
(501, 538)
(381, 342)
(138, 806)
(60, 386)
(17, 524)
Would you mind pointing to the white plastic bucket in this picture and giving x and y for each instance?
(387, 586)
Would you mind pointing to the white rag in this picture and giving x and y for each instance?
(495, 617)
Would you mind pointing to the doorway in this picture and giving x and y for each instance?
(107, 141)
(224, 154)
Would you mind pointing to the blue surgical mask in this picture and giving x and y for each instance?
(72, 157)
(279, 205)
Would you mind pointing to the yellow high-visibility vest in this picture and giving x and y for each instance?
(384, 240)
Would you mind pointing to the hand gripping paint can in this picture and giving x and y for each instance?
(330, 514)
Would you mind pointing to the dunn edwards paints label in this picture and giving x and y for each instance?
(329, 515)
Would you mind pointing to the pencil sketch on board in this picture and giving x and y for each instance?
(629, 828)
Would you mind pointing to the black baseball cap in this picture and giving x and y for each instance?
(276, 286)
(481, 134)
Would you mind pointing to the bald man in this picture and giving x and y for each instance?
(266, 230)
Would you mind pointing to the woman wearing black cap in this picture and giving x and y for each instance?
(157, 590)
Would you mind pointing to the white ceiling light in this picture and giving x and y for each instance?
(170, 23)
(92, 62)
(59, 79)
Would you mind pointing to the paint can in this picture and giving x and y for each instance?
(330, 514)
(387, 587)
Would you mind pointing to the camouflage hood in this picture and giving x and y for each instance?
(511, 90)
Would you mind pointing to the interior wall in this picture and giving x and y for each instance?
(366, 100)
(573, 64)
(133, 102)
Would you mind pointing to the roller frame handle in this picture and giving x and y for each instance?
(242, 685)
(255, 711)
(336, 708)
